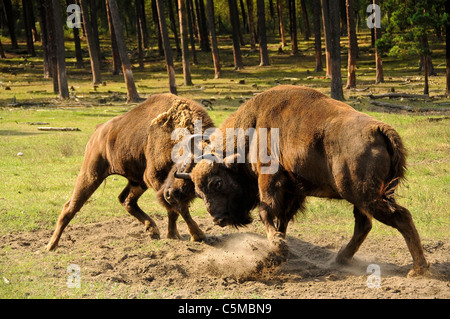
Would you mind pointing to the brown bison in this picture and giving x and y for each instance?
(138, 145)
(325, 149)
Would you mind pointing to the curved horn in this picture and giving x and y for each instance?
(182, 175)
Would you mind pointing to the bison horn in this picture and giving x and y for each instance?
(208, 156)
(182, 175)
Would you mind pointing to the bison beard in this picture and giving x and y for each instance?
(327, 149)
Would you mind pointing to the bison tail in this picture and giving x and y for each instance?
(398, 160)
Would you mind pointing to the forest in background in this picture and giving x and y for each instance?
(183, 28)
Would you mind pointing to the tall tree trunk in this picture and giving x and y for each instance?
(27, 13)
(327, 34)
(234, 17)
(293, 26)
(263, 53)
(306, 20)
(317, 36)
(379, 78)
(94, 26)
(10, 21)
(166, 45)
(158, 30)
(44, 37)
(174, 26)
(251, 25)
(190, 21)
(184, 42)
(351, 68)
(447, 48)
(53, 65)
(132, 94)
(139, 28)
(144, 29)
(333, 31)
(212, 35)
(60, 52)
(92, 48)
(201, 25)
(2, 52)
(244, 16)
(116, 64)
(281, 23)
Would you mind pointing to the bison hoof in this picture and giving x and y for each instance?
(153, 233)
(419, 271)
(173, 235)
(198, 237)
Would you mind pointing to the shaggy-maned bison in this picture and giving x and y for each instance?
(326, 149)
(138, 145)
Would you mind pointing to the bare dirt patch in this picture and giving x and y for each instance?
(231, 264)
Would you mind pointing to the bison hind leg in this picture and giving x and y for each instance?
(363, 225)
(394, 215)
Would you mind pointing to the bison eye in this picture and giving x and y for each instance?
(216, 184)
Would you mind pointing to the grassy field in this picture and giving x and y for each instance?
(38, 169)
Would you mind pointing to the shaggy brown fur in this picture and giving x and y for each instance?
(137, 145)
(327, 149)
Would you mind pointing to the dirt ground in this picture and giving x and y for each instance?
(231, 264)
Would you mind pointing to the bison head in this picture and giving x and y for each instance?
(228, 190)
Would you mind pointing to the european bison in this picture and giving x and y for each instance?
(326, 149)
(138, 145)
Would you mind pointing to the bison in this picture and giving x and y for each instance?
(138, 145)
(325, 149)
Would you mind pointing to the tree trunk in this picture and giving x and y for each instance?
(166, 45)
(92, 48)
(234, 17)
(10, 21)
(251, 25)
(263, 53)
(333, 32)
(144, 29)
(116, 64)
(139, 33)
(281, 23)
(306, 20)
(190, 21)
(158, 30)
(184, 43)
(351, 68)
(325, 21)
(2, 52)
(60, 52)
(317, 36)
(379, 78)
(244, 16)
(174, 27)
(447, 47)
(132, 94)
(44, 38)
(27, 13)
(94, 26)
(53, 66)
(212, 35)
(293, 26)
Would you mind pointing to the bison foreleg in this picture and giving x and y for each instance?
(128, 198)
(195, 231)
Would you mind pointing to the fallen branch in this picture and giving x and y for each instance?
(399, 95)
(409, 108)
(64, 129)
